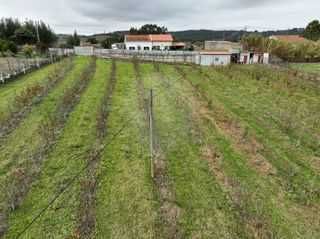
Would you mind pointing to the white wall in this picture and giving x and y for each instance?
(216, 60)
(255, 59)
(137, 44)
(242, 56)
(162, 45)
(84, 50)
(266, 57)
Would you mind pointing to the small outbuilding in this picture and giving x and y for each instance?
(214, 58)
(254, 58)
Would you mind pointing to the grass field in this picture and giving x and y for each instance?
(307, 67)
(235, 152)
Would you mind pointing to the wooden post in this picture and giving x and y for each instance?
(151, 132)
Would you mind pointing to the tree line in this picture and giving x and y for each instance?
(14, 33)
(148, 29)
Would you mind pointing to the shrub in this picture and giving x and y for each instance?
(28, 50)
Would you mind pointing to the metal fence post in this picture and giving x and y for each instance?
(151, 133)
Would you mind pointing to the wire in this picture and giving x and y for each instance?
(73, 179)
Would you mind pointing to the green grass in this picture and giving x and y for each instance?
(67, 158)
(260, 106)
(307, 67)
(219, 131)
(23, 147)
(10, 90)
(205, 210)
(292, 225)
(124, 198)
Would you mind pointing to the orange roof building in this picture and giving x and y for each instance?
(137, 38)
(149, 42)
(149, 38)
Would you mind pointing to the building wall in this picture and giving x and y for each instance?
(216, 60)
(256, 58)
(245, 58)
(162, 45)
(140, 44)
(194, 57)
(266, 58)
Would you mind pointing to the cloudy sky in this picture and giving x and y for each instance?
(94, 16)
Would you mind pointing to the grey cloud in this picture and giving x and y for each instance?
(247, 3)
(142, 10)
(106, 15)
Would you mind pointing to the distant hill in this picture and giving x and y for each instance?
(200, 35)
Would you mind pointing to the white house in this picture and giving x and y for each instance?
(159, 42)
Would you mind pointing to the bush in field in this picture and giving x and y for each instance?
(28, 50)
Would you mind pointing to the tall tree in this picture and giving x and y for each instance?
(73, 40)
(26, 32)
(312, 31)
(76, 39)
(149, 29)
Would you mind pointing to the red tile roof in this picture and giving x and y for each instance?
(138, 38)
(150, 38)
(161, 38)
(289, 38)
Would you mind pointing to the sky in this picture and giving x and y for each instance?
(98, 16)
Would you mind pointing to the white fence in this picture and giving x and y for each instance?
(12, 67)
(191, 57)
(61, 52)
(161, 56)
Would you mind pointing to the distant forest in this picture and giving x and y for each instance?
(204, 35)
